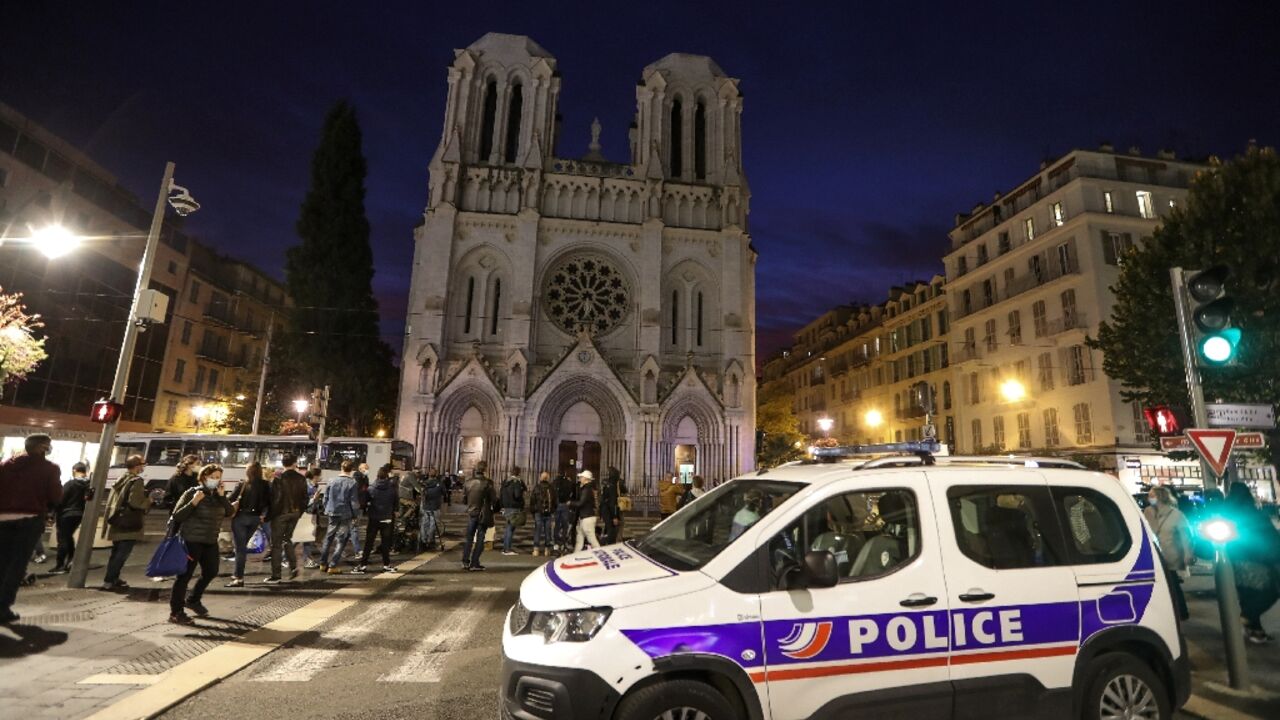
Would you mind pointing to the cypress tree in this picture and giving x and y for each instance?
(333, 333)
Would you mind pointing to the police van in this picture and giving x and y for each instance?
(904, 586)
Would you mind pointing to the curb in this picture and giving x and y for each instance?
(1200, 707)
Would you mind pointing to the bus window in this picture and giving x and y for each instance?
(122, 451)
(401, 455)
(338, 452)
(164, 452)
(205, 450)
(272, 454)
(237, 453)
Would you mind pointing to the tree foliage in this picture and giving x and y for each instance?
(1231, 217)
(332, 335)
(778, 427)
(20, 350)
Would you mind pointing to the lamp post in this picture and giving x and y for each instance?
(183, 204)
(300, 406)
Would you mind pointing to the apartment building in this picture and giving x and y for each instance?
(1028, 279)
(83, 298)
(865, 368)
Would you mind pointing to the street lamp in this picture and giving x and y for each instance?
(199, 413)
(874, 418)
(824, 424)
(1013, 390)
(183, 204)
(381, 434)
(300, 406)
(54, 241)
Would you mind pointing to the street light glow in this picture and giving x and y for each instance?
(824, 424)
(199, 412)
(1012, 390)
(300, 406)
(55, 241)
(381, 433)
(874, 418)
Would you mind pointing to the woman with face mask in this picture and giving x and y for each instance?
(1173, 537)
(199, 515)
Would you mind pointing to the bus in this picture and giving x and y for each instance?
(163, 451)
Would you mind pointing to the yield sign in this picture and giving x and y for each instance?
(1214, 446)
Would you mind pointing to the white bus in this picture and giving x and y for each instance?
(163, 451)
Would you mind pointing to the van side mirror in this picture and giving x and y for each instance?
(820, 569)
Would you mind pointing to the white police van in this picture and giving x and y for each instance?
(898, 587)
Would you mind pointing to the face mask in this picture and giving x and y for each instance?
(211, 484)
(1153, 501)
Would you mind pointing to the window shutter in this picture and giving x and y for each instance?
(1108, 248)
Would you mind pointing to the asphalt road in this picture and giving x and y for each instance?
(426, 647)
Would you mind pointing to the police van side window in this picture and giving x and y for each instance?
(1005, 527)
(871, 533)
(1095, 529)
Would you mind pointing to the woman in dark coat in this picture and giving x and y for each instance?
(1255, 558)
(199, 515)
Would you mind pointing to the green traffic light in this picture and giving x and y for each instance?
(1220, 347)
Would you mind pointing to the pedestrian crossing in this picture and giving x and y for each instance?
(425, 662)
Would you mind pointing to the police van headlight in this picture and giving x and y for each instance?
(568, 625)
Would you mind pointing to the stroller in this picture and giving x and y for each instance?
(406, 529)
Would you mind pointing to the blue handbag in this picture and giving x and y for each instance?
(170, 559)
(258, 542)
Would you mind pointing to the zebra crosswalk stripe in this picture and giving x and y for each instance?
(308, 662)
(426, 662)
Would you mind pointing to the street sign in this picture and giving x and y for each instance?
(1245, 441)
(1241, 415)
(1214, 446)
(1133, 463)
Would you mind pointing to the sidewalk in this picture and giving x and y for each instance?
(1212, 698)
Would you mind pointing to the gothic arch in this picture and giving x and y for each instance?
(607, 399)
(476, 275)
(702, 411)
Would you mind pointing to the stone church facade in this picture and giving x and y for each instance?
(581, 311)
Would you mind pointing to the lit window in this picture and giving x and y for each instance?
(1107, 201)
(1051, 438)
(1058, 217)
(997, 431)
(1084, 424)
(977, 434)
(1145, 206)
(1024, 431)
(1029, 228)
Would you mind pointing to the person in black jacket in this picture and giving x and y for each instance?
(184, 478)
(253, 502)
(512, 497)
(434, 495)
(610, 514)
(542, 505)
(76, 492)
(566, 495)
(288, 500)
(586, 511)
(199, 514)
(384, 495)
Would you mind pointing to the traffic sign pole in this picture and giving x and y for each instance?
(1223, 575)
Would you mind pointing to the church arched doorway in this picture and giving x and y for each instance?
(579, 440)
(581, 425)
(686, 450)
(471, 433)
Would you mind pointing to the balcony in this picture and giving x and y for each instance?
(1066, 323)
(219, 355)
(219, 314)
(967, 353)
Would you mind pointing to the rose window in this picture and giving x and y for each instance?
(586, 291)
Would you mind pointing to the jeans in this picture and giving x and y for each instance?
(339, 530)
(542, 530)
(563, 515)
(427, 528)
(67, 538)
(473, 543)
(282, 542)
(242, 528)
(587, 533)
(17, 540)
(377, 528)
(205, 556)
(355, 535)
(509, 532)
(120, 550)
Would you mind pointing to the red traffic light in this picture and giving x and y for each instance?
(105, 412)
(1163, 420)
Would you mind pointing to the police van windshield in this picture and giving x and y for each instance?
(698, 532)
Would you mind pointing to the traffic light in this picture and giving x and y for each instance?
(1165, 420)
(1216, 341)
(105, 412)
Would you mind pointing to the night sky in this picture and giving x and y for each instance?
(867, 126)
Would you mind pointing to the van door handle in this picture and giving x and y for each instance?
(918, 600)
(976, 595)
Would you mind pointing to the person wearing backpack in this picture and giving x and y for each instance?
(126, 510)
(542, 504)
(76, 493)
(512, 497)
(566, 495)
(434, 494)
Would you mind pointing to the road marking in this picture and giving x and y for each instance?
(308, 662)
(425, 663)
(202, 671)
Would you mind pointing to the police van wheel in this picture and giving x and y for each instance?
(676, 700)
(1122, 686)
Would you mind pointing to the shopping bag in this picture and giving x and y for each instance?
(257, 543)
(170, 559)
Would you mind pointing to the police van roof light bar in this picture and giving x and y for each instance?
(915, 446)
